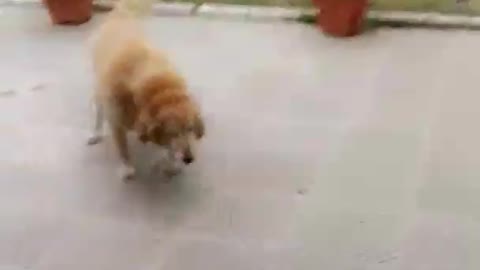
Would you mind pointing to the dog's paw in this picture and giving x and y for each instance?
(95, 139)
(127, 173)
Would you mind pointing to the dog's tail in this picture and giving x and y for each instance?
(136, 8)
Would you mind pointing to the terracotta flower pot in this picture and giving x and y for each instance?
(341, 17)
(69, 11)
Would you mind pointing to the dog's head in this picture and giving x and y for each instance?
(168, 116)
(175, 127)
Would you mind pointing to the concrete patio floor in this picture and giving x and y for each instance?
(320, 153)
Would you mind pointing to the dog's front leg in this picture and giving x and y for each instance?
(173, 165)
(97, 134)
(127, 172)
(163, 159)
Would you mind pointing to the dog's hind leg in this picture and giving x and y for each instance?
(97, 134)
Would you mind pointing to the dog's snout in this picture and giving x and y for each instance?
(188, 159)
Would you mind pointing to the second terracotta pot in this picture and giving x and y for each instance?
(341, 17)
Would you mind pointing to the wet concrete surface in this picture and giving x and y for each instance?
(320, 153)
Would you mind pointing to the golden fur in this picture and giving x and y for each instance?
(137, 89)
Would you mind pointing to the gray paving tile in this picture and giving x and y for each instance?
(320, 153)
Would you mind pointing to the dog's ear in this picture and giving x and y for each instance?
(198, 127)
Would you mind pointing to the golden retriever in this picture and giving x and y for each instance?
(138, 89)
